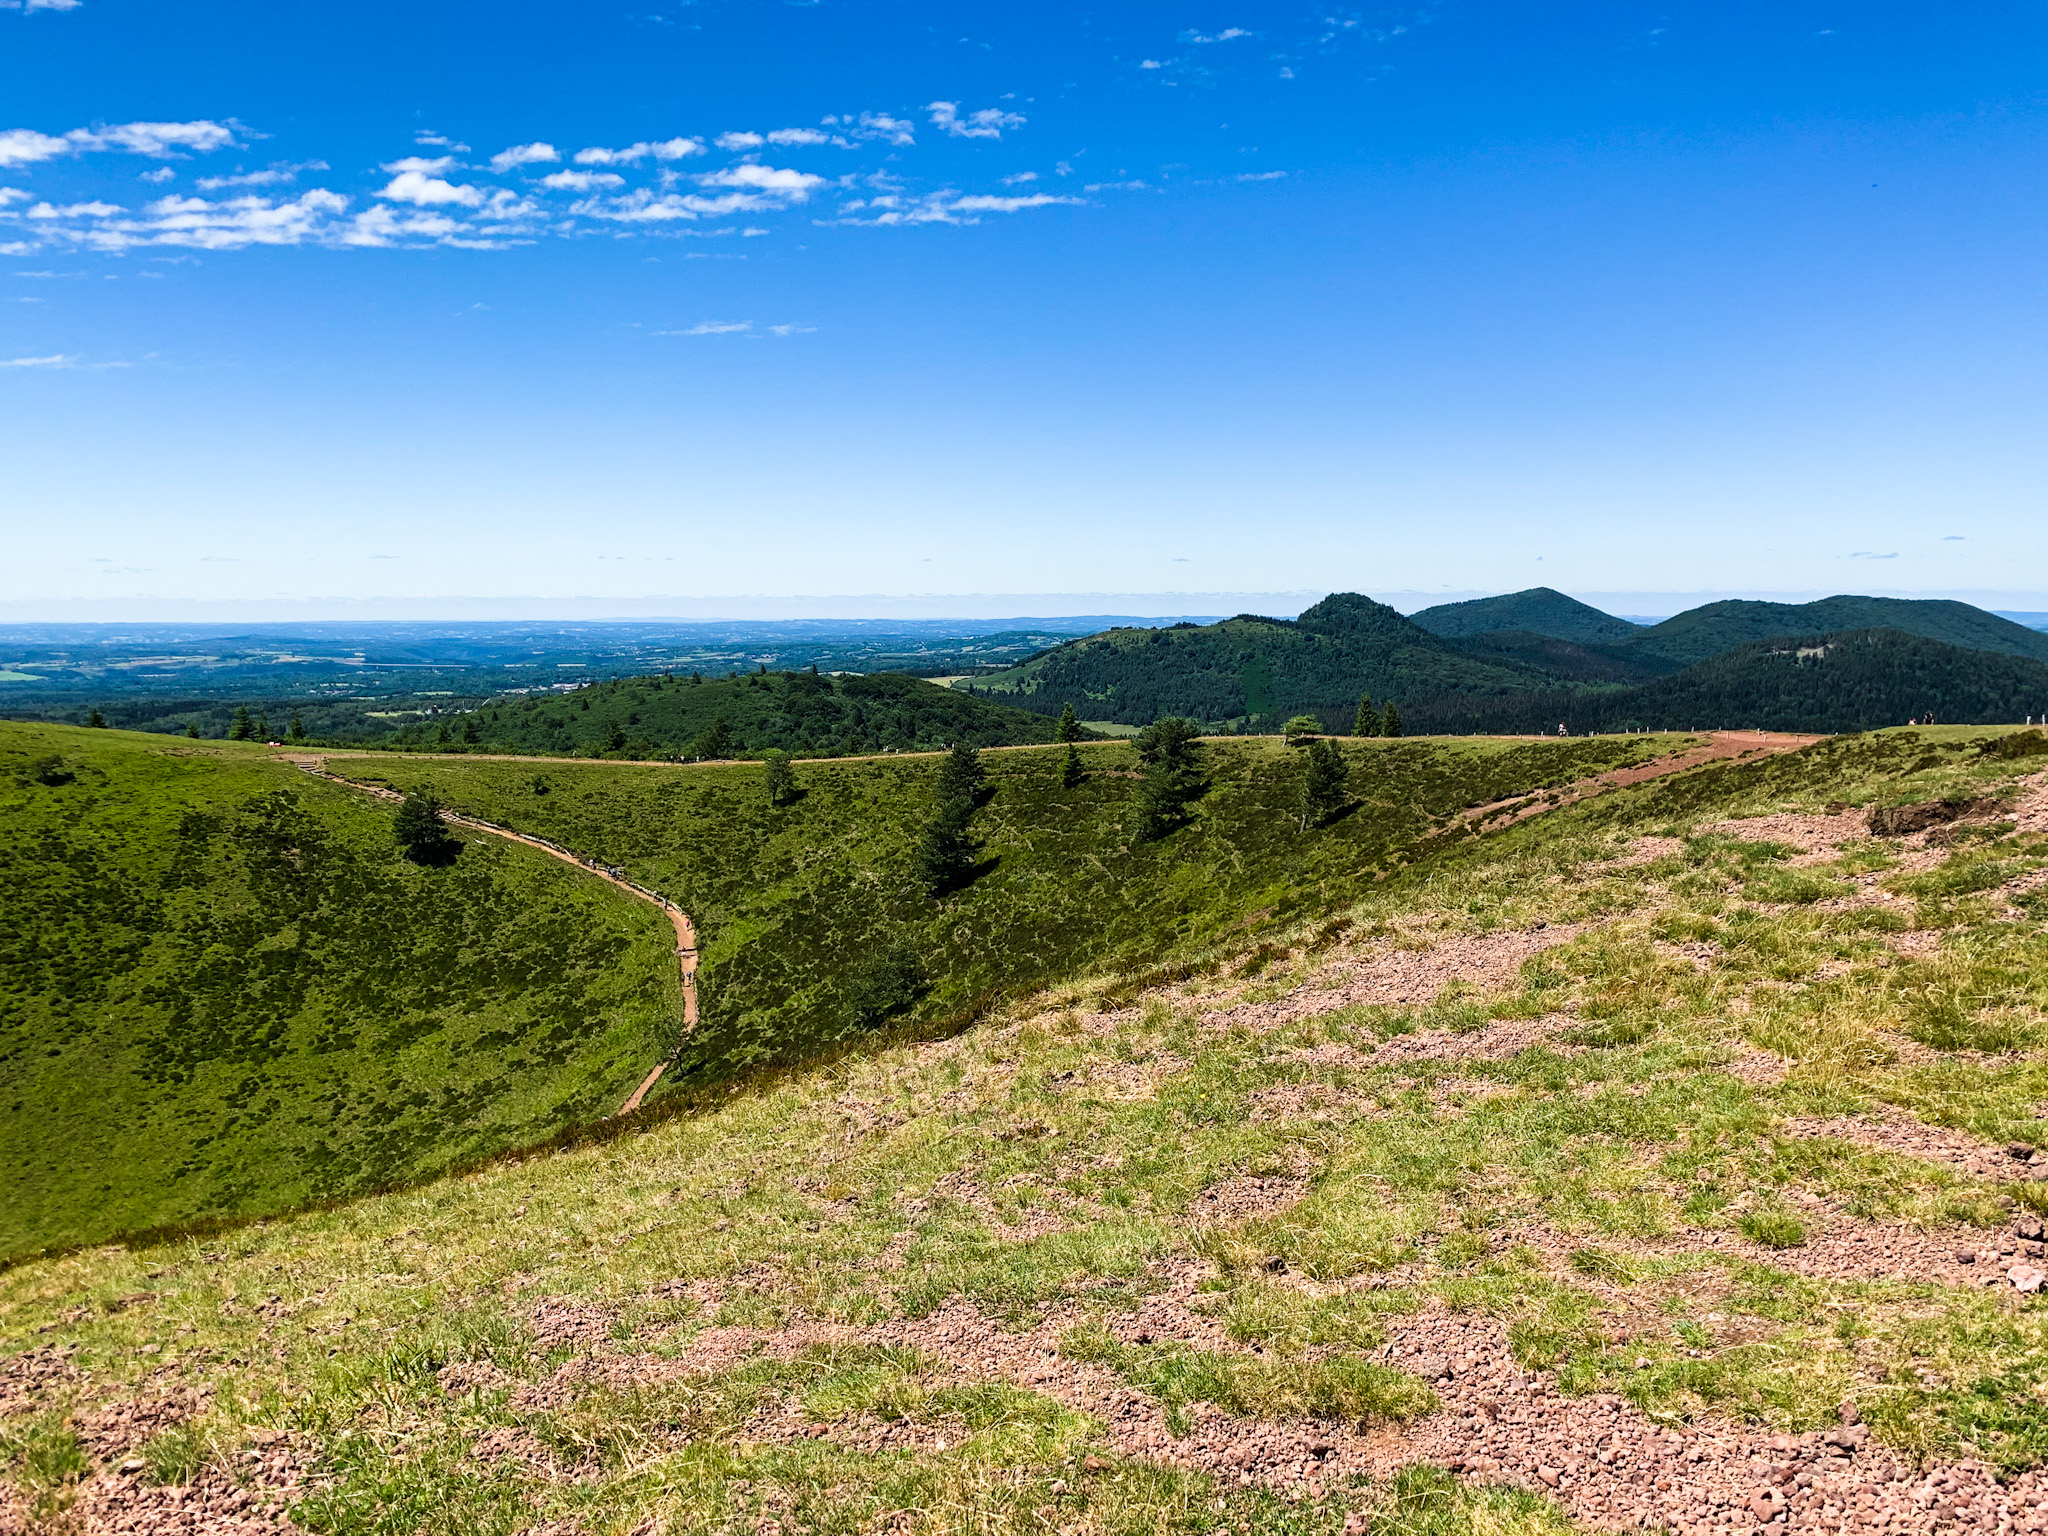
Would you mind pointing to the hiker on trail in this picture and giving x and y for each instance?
(1561, 730)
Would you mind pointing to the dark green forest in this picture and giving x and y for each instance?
(1860, 681)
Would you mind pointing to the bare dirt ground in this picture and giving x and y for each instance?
(1718, 745)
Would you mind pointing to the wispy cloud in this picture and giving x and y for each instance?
(439, 141)
(739, 141)
(157, 141)
(793, 185)
(1865, 554)
(1228, 34)
(40, 5)
(581, 181)
(524, 154)
(947, 207)
(876, 125)
(275, 175)
(738, 328)
(988, 123)
(54, 360)
(632, 154)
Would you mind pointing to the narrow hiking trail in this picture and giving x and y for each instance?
(686, 930)
(1718, 746)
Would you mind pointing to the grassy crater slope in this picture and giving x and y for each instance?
(1658, 1174)
(1714, 628)
(222, 992)
(811, 918)
(1537, 611)
(817, 716)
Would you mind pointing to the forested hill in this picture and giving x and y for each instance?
(1255, 669)
(1718, 627)
(801, 712)
(1856, 681)
(1539, 611)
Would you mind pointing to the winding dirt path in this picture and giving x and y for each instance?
(686, 930)
(1719, 745)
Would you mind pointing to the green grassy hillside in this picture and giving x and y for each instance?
(1860, 681)
(222, 993)
(1539, 611)
(1715, 628)
(1684, 1168)
(806, 913)
(802, 712)
(1255, 670)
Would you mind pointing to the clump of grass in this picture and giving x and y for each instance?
(1345, 1388)
(1428, 1501)
(1600, 1264)
(176, 1454)
(1771, 1228)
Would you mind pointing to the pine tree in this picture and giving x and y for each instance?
(1069, 728)
(1391, 724)
(962, 776)
(296, 731)
(259, 728)
(1300, 729)
(419, 829)
(96, 721)
(472, 731)
(1070, 768)
(946, 852)
(191, 730)
(615, 739)
(241, 727)
(1170, 751)
(1326, 783)
(715, 742)
(780, 779)
(1367, 720)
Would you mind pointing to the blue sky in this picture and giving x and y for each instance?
(559, 302)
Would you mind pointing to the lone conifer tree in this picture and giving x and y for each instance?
(962, 776)
(419, 829)
(1367, 721)
(1170, 751)
(296, 731)
(1070, 767)
(780, 779)
(473, 732)
(191, 730)
(1069, 728)
(96, 721)
(241, 727)
(945, 854)
(1391, 725)
(1326, 783)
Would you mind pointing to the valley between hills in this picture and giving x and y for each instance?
(1618, 1132)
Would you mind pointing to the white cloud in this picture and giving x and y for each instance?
(524, 154)
(24, 146)
(423, 191)
(791, 330)
(799, 136)
(880, 125)
(666, 149)
(1150, 64)
(794, 185)
(1019, 178)
(986, 204)
(1261, 175)
(739, 141)
(54, 360)
(159, 176)
(947, 207)
(224, 226)
(425, 167)
(271, 177)
(1118, 186)
(12, 195)
(439, 141)
(713, 328)
(74, 211)
(988, 123)
(1226, 35)
(40, 5)
(581, 181)
(159, 141)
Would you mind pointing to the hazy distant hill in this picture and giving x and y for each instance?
(1851, 681)
(1258, 669)
(1717, 627)
(1539, 611)
(803, 712)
